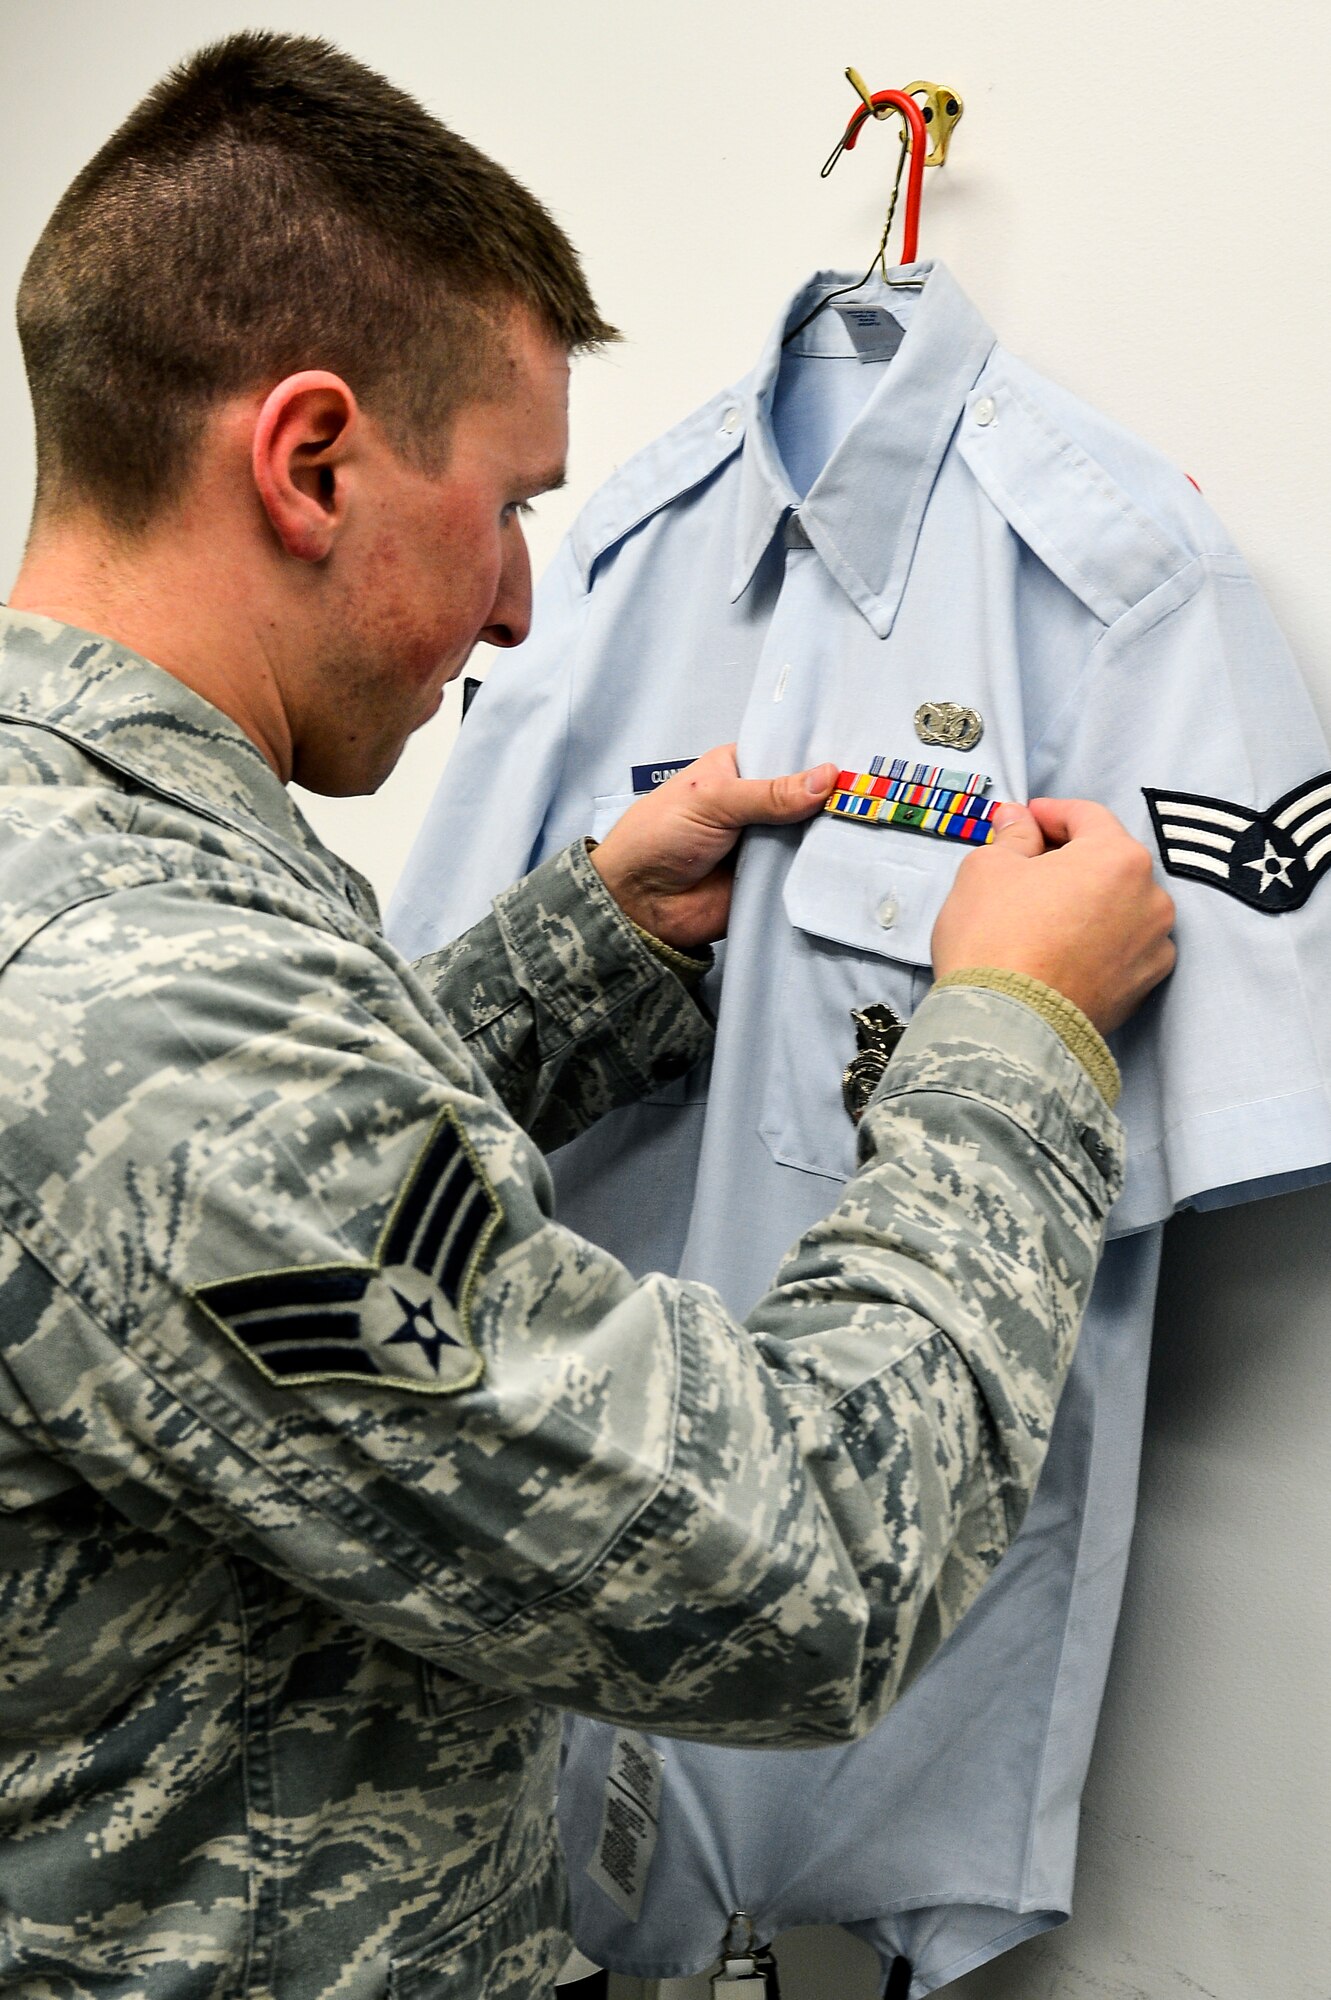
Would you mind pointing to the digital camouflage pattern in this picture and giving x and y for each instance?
(331, 1465)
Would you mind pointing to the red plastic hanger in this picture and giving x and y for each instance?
(878, 104)
(942, 108)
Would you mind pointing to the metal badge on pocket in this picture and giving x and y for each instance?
(878, 1029)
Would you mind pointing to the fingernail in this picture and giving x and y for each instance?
(1005, 814)
(816, 780)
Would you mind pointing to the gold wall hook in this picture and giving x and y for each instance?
(942, 108)
(938, 102)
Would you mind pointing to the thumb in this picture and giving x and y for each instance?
(779, 801)
(1016, 826)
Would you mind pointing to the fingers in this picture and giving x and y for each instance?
(1016, 826)
(1061, 820)
(736, 801)
(1093, 922)
(1164, 913)
(726, 799)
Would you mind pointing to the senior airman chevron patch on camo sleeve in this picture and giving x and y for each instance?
(1271, 860)
(402, 1320)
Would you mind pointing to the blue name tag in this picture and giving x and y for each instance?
(646, 777)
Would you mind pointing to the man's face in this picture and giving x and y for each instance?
(430, 564)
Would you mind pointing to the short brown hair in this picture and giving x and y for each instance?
(273, 205)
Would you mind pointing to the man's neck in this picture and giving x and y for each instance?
(170, 610)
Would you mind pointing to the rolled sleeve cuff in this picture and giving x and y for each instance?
(1064, 1017)
(974, 1042)
(592, 969)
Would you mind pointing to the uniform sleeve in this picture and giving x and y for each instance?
(1191, 722)
(564, 1006)
(308, 1302)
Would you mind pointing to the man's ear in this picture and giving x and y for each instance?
(301, 444)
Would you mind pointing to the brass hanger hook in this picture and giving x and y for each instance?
(940, 108)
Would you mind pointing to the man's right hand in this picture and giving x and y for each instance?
(1066, 895)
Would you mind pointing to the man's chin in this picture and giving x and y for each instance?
(341, 770)
(347, 777)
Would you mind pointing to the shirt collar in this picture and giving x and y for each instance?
(144, 723)
(863, 512)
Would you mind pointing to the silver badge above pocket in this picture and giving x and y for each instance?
(949, 724)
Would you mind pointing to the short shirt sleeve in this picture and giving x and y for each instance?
(1190, 720)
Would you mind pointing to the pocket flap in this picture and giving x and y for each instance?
(874, 888)
(607, 808)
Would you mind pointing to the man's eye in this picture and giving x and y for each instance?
(516, 507)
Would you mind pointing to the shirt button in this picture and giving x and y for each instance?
(730, 422)
(887, 912)
(985, 410)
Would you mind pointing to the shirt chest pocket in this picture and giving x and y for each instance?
(607, 807)
(859, 910)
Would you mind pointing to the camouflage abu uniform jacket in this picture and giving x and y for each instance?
(330, 1464)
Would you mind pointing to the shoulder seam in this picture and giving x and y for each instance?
(1111, 551)
(599, 527)
(1103, 480)
(1195, 570)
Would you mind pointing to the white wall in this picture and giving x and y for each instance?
(1138, 202)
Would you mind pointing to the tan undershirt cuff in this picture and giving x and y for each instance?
(1063, 1015)
(685, 968)
(689, 970)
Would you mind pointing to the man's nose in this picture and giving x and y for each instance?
(510, 614)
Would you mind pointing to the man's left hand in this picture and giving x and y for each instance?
(668, 862)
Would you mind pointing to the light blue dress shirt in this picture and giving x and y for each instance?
(868, 523)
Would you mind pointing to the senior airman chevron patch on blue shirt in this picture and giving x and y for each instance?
(401, 1320)
(1272, 860)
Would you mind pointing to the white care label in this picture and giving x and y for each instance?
(876, 335)
(627, 1840)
